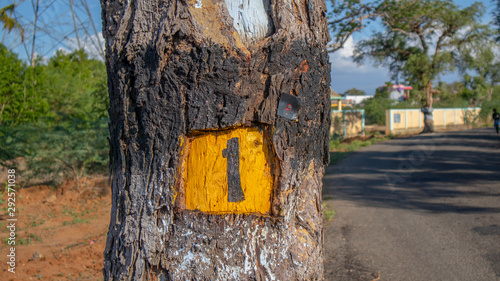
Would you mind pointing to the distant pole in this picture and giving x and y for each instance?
(98, 44)
(74, 23)
(35, 10)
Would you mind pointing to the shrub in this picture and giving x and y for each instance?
(375, 110)
(54, 152)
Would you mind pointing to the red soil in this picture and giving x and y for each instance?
(60, 233)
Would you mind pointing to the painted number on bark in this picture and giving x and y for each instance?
(232, 154)
(228, 172)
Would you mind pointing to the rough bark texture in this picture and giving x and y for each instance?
(179, 67)
(429, 124)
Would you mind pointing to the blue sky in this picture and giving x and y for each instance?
(345, 73)
(55, 26)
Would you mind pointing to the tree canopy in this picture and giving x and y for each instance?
(422, 39)
(350, 16)
(53, 116)
(355, 92)
(484, 74)
(496, 20)
(10, 23)
(69, 85)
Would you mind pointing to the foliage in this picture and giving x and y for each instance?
(53, 152)
(75, 86)
(18, 103)
(496, 21)
(69, 86)
(384, 91)
(53, 116)
(421, 39)
(375, 110)
(340, 150)
(355, 92)
(487, 107)
(484, 74)
(451, 95)
(328, 213)
(350, 16)
(10, 23)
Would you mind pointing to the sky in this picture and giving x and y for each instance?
(345, 73)
(55, 27)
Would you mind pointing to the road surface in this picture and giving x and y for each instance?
(425, 207)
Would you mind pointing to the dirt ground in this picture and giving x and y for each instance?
(60, 233)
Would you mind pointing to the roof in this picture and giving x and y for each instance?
(335, 96)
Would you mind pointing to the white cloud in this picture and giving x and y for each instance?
(348, 50)
(347, 74)
(342, 59)
(91, 44)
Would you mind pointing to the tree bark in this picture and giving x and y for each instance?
(180, 70)
(429, 124)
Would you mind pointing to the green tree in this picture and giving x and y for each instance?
(421, 40)
(350, 16)
(384, 91)
(355, 92)
(18, 101)
(75, 86)
(451, 95)
(53, 116)
(481, 71)
(496, 20)
(11, 71)
(69, 86)
(375, 110)
(10, 23)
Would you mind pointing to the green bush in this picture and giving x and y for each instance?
(51, 153)
(68, 85)
(53, 116)
(488, 106)
(375, 110)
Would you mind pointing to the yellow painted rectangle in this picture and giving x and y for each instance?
(205, 179)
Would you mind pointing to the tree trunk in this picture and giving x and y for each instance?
(219, 137)
(429, 123)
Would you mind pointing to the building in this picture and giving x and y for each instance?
(400, 92)
(336, 99)
(355, 100)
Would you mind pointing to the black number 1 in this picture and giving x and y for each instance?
(232, 153)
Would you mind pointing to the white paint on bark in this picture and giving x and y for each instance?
(250, 18)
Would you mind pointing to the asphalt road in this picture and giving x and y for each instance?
(420, 208)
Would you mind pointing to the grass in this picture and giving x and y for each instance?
(76, 217)
(328, 213)
(340, 150)
(37, 223)
(28, 240)
(327, 197)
